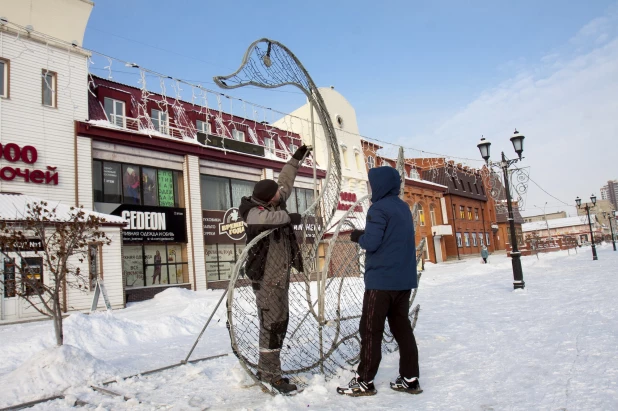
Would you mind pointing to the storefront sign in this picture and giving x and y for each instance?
(227, 227)
(31, 244)
(27, 154)
(153, 224)
(223, 227)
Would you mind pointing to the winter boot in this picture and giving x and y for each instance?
(284, 388)
(409, 385)
(357, 388)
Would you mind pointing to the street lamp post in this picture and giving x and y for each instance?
(518, 144)
(609, 218)
(593, 199)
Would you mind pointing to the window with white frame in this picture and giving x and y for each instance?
(467, 239)
(238, 135)
(458, 240)
(432, 215)
(49, 88)
(481, 239)
(114, 110)
(293, 148)
(487, 238)
(370, 162)
(474, 239)
(269, 144)
(160, 120)
(4, 77)
(203, 127)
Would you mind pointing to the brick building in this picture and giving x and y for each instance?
(468, 211)
(431, 214)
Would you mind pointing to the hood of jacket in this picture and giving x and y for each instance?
(246, 204)
(384, 182)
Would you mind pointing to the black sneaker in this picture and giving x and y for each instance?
(285, 388)
(357, 388)
(409, 385)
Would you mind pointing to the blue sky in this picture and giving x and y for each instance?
(432, 75)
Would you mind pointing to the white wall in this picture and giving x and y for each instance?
(25, 121)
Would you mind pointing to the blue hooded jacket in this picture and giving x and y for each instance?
(390, 262)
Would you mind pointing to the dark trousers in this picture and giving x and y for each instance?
(379, 305)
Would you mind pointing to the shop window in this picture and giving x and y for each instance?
(481, 239)
(458, 235)
(32, 275)
(474, 239)
(49, 88)
(240, 189)
(467, 239)
(131, 184)
(220, 260)
(149, 186)
(154, 264)
(9, 277)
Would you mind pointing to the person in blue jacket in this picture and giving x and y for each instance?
(390, 276)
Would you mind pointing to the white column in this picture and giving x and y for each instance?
(195, 229)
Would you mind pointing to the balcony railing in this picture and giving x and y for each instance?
(213, 139)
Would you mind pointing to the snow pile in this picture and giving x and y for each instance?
(50, 372)
(482, 346)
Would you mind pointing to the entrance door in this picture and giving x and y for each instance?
(438, 247)
(8, 300)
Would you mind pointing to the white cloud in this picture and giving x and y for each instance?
(567, 106)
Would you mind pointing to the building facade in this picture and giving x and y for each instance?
(471, 216)
(610, 192)
(187, 166)
(547, 216)
(42, 93)
(427, 197)
(576, 227)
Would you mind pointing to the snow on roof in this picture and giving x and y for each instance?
(13, 208)
(558, 223)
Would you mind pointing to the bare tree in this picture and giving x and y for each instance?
(60, 241)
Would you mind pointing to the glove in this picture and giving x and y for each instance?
(295, 218)
(300, 153)
(356, 234)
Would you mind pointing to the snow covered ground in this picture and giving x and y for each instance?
(483, 346)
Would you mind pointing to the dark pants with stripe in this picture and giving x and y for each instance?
(378, 306)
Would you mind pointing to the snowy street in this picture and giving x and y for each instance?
(482, 346)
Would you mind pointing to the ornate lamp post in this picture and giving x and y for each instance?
(610, 216)
(518, 144)
(593, 199)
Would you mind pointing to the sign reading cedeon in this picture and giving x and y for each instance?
(153, 224)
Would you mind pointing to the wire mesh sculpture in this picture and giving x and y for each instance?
(299, 317)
